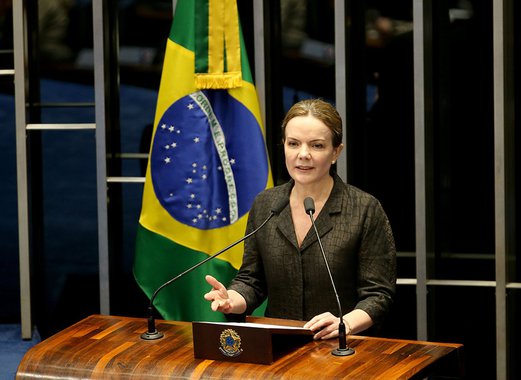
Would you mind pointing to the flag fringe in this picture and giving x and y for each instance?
(216, 81)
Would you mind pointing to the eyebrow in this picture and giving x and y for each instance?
(315, 140)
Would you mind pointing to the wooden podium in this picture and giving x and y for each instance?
(109, 347)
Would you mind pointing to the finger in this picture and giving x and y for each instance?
(315, 319)
(210, 296)
(319, 324)
(326, 334)
(327, 324)
(311, 322)
(213, 282)
(216, 305)
(221, 305)
(326, 331)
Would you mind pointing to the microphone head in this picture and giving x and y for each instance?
(309, 205)
(277, 207)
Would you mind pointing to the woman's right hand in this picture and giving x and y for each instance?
(218, 296)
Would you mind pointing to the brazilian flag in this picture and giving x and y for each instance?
(207, 160)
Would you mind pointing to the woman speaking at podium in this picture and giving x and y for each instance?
(283, 261)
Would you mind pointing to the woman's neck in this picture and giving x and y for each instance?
(318, 191)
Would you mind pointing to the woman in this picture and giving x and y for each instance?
(283, 261)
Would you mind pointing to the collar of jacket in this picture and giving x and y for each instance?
(323, 222)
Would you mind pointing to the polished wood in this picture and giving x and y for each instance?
(110, 347)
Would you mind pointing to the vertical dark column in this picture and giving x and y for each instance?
(274, 106)
(356, 91)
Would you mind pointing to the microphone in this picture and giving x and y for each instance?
(152, 333)
(342, 350)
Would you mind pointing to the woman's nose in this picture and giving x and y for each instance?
(304, 152)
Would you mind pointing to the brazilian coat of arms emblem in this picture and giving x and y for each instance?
(230, 343)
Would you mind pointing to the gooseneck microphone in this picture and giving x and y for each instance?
(342, 350)
(152, 333)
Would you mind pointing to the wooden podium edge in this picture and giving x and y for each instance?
(107, 347)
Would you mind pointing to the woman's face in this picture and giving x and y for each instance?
(308, 148)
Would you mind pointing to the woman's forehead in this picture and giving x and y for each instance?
(307, 126)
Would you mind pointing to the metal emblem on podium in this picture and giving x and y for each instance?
(230, 343)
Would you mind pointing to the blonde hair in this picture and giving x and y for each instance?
(320, 110)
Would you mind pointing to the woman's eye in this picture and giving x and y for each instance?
(292, 143)
(318, 146)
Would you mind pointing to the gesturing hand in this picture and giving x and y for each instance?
(218, 296)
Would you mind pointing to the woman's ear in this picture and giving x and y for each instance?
(337, 152)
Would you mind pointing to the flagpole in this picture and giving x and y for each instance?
(258, 38)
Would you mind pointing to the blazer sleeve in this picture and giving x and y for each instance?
(377, 264)
(250, 280)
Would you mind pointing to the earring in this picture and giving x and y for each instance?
(333, 162)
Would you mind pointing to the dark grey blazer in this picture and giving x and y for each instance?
(358, 243)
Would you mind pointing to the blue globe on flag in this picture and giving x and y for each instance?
(202, 178)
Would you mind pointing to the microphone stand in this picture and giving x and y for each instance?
(342, 349)
(152, 333)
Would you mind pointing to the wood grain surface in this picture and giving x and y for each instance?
(110, 347)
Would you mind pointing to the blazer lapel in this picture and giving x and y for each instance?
(284, 220)
(285, 226)
(324, 222)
